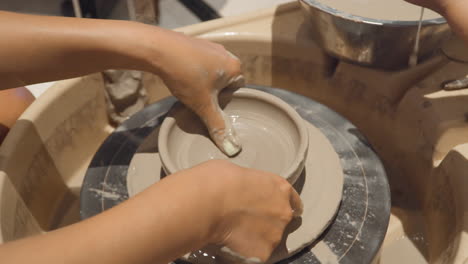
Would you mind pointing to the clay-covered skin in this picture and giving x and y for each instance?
(13, 103)
(454, 11)
(197, 86)
(194, 70)
(167, 220)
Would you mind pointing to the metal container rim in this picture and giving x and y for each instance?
(379, 22)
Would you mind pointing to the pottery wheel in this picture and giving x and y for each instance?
(320, 187)
(354, 236)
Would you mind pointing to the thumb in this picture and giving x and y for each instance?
(296, 203)
(220, 127)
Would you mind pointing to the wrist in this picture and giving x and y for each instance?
(220, 186)
(147, 47)
(213, 182)
(204, 198)
(127, 45)
(162, 51)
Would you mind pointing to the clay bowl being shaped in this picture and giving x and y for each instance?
(273, 136)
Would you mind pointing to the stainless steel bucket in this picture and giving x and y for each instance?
(377, 43)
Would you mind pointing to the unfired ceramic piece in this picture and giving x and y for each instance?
(320, 187)
(273, 135)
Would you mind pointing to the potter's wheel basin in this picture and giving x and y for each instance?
(332, 161)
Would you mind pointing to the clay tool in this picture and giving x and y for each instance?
(413, 59)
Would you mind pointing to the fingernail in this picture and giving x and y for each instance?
(230, 145)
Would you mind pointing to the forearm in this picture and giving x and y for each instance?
(42, 48)
(455, 12)
(156, 226)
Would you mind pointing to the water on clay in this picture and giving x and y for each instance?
(203, 257)
(380, 9)
(271, 139)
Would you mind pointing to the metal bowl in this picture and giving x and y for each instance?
(377, 43)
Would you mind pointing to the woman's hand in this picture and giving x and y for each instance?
(195, 71)
(257, 207)
(214, 203)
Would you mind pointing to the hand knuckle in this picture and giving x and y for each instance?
(232, 66)
(236, 64)
(284, 186)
